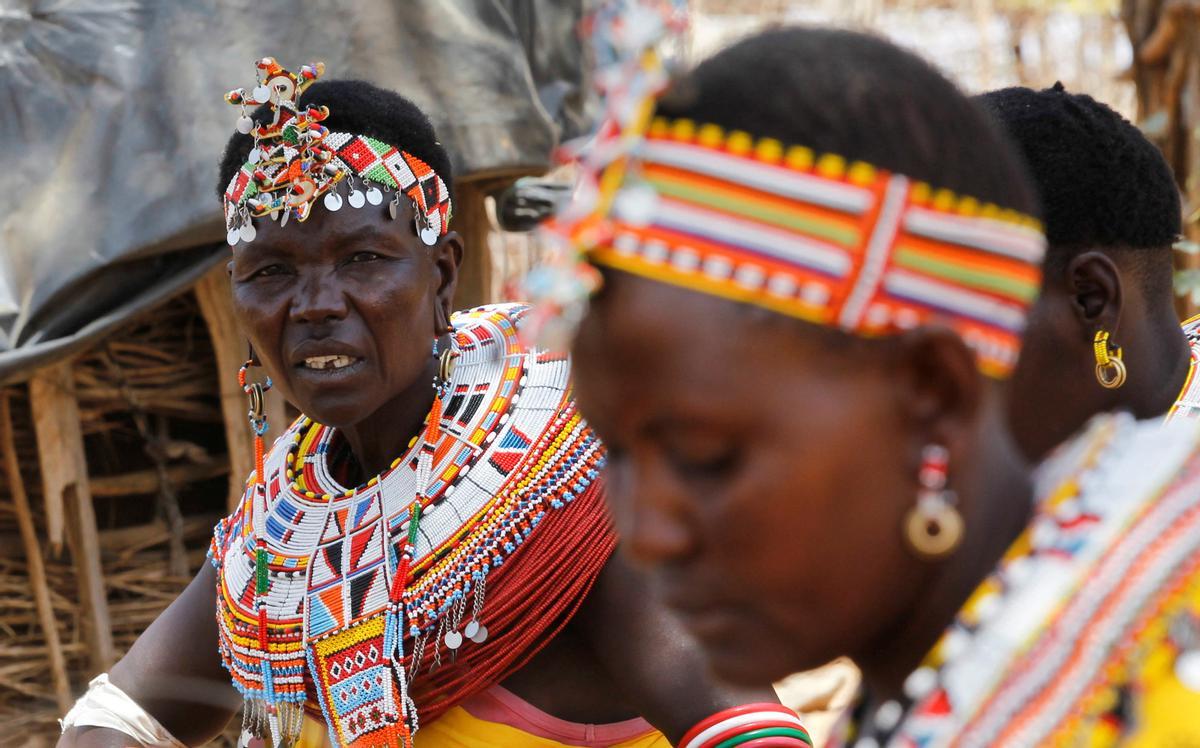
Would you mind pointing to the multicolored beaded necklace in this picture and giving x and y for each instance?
(361, 589)
(1031, 657)
(1188, 403)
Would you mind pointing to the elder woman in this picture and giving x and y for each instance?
(815, 272)
(433, 526)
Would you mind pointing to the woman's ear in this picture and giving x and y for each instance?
(940, 387)
(1094, 285)
(447, 259)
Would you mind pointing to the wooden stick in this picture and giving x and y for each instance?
(216, 305)
(64, 470)
(33, 557)
(146, 481)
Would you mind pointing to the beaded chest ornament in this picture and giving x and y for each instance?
(374, 596)
(295, 160)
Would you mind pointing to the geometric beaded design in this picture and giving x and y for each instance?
(834, 243)
(512, 449)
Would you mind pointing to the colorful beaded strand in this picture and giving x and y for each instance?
(265, 711)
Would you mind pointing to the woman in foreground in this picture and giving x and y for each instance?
(815, 273)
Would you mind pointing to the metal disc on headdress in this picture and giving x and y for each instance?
(453, 639)
(248, 232)
(233, 237)
(245, 125)
(284, 218)
(427, 233)
(374, 196)
(254, 156)
(333, 201)
(394, 206)
(356, 198)
(261, 94)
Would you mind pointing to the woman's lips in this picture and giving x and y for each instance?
(328, 362)
(711, 623)
(327, 369)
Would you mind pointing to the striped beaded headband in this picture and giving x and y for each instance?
(840, 244)
(296, 160)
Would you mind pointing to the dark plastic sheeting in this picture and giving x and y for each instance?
(112, 122)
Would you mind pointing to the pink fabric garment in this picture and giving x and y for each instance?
(502, 706)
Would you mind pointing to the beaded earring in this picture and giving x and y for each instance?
(258, 713)
(256, 392)
(934, 527)
(1110, 368)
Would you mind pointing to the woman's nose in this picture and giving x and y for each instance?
(318, 300)
(650, 519)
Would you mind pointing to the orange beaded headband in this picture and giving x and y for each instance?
(814, 237)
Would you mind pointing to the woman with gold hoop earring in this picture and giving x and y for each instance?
(1104, 334)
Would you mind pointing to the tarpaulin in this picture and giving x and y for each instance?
(112, 123)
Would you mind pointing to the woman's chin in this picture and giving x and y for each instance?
(329, 411)
(747, 665)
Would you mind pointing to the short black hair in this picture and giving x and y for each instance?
(860, 97)
(1102, 184)
(363, 109)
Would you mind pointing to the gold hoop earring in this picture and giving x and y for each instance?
(933, 528)
(1110, 368)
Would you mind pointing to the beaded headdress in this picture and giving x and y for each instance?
(295, 160)
(812, 236)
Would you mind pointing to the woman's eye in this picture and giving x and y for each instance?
(706, 461)
(363, 256)
(267, 271)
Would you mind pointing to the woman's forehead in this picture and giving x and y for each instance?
(327, 230)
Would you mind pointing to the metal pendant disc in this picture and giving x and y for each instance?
(357, 200)
(248, 232)
(374, 196)
(233, 237)
(287, 212)
(245, 125)
(393, 209)
(254, 156)
(471, 630)
(429, 235)
(333, 201)
(453, 639)
(481, 635)
(261, 94)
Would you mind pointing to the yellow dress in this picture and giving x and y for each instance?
(498, 717)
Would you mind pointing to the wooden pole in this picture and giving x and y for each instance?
(216, 305)
(33, 558)
(471, 222)
(64, 470)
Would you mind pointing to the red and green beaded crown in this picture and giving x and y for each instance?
(295, 160)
